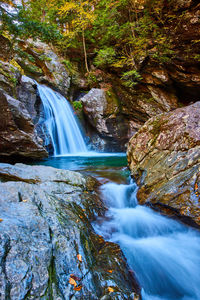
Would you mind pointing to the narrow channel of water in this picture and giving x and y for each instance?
(164, 254)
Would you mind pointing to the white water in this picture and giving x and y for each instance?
(61, 124)
(164, 254)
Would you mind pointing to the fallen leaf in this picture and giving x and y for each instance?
(78, 288)
(110, 271)
(72, 282)
(110, 289)
(1, 220)
(75, 277)
(24, 200)
(79, 257)
(196, 186)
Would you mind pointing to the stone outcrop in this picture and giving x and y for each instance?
(101, 109)
(116, 114)
(17, 133)
(164, 158)
(40, 62)
(48, 248)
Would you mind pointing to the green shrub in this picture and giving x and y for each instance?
(77, 105)
(131, 78)
(105, 57)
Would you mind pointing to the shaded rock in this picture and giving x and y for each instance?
(17, 133)
(164, 157)
(103, 112)
(45, 223)
(95, 106)
(6, 51)
(9, 77)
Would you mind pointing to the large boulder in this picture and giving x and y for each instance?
(164, 158)
(103, 111)
(48, 248)
(17, 133)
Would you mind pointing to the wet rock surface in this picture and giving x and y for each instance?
(48, 249)
(164, 157)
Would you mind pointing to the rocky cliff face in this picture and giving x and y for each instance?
(48, 249)
(21, 106)
(18, 97)
(164, 158)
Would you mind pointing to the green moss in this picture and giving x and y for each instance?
(31, 68)
(45, 58)
(156, 126)
(10, 78)
(113, 102)
(92, 79)
(25, 55)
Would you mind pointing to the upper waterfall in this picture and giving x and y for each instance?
(60, 122)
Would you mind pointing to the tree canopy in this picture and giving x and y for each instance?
(107, 34)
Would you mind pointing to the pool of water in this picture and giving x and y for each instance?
(104, 166)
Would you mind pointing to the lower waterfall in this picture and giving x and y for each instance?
(163, 253)
(60, 123)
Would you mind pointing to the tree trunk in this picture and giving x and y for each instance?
(85, 53)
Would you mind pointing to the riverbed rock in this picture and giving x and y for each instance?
(48, 248)
(164, 158)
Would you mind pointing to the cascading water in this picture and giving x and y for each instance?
(164, 254)
(61, 123)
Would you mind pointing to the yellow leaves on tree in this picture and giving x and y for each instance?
(80, 16)
(82, 12)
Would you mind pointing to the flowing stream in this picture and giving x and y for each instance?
(163, 253)
(60, 123)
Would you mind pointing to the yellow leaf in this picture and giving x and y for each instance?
(110, 289)
(72, 282)
(1, 220)
(79, 257)
(110, 271)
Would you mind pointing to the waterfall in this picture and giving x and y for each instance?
(163, 253)
(60, 123)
